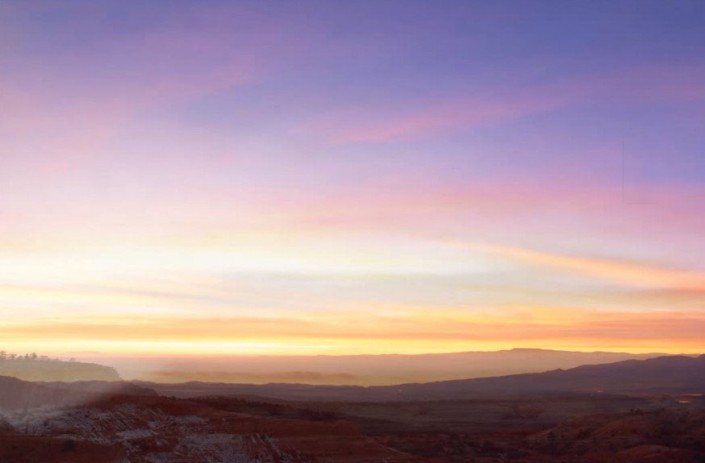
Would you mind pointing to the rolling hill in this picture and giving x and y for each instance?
(38, 369)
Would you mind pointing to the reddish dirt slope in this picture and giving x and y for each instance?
(18, 448)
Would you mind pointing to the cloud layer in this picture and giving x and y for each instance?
(364, 178)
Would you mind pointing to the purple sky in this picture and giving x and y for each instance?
(413, 166)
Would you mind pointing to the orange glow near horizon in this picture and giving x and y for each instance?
(326, 304)
(307, 178)
(348, 334)
(274, 348)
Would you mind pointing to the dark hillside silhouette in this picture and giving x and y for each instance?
(31, 367)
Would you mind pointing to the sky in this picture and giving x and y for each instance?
(316, 177)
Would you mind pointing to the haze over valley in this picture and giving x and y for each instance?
(354, 369)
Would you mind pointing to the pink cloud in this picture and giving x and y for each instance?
(617, 270)
(416, 203)
(638, 86)
(360, 127)
(69, 107)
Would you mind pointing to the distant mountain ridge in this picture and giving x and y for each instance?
(668, 374)
(377, 370)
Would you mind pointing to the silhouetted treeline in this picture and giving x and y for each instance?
(4, 355)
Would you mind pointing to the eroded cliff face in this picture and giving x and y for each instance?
(56, 370)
